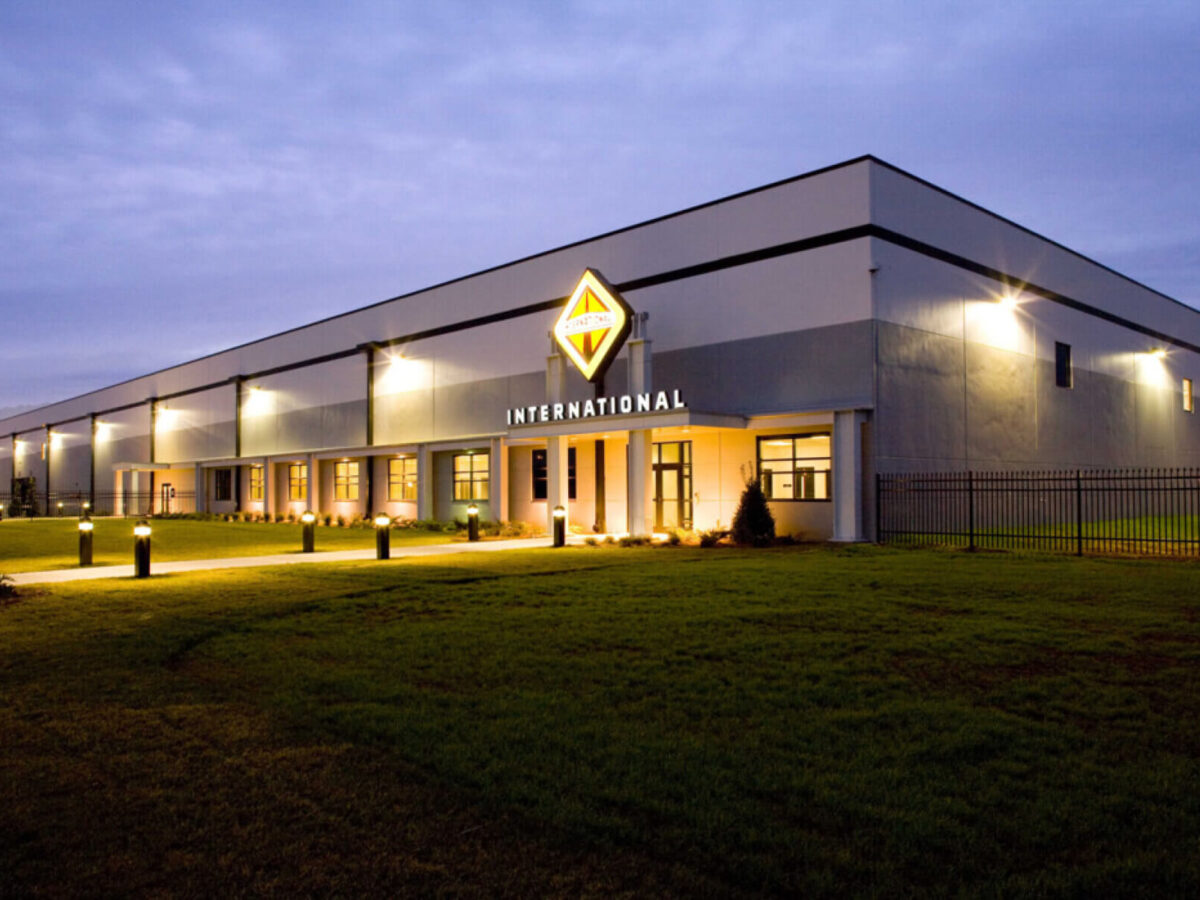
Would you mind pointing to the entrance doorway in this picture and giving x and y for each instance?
(673, 485)
(166, 492)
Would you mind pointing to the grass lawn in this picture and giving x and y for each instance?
(601, 721)
(36, 545)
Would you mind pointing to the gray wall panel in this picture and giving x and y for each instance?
(1005, 411)
(1001, 403)
(463, 409)
(215, 441)
(827, 367)
(1111, 417)
(70, 469)
(920, 420)
(315, 428)
(405, 418)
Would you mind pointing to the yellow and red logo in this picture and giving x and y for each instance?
(593, 325)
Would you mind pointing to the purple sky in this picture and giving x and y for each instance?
(179, 178)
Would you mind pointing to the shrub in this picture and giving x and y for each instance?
(341, 520)
(753, 523)
(634, 540)
(519, 529)
(8, 590)
(327, 519)
(712, 537)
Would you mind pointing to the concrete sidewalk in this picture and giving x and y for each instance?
(279, 559)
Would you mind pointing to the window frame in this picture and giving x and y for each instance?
(400, 485)
(345, 480)
(1189, 396)
(256, 483)
(798, 473)
(543, 479)
(297, 482)
(478, 480)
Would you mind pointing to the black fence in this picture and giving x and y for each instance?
(107, 503)
(1143, 511)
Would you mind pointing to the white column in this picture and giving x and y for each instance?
(314, 494)
(498, 473)
(556, 479)
(556, 377)
(639, 481)
(847, 475)
(424, 483)
(268, 483)
(639, 477)
(201, 503)
(119, 495)
(136, 487)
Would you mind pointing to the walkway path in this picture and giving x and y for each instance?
(278, 559)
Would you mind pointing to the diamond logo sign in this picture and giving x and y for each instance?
(593, 325)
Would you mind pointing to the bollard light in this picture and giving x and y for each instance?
(141, 549)
(383, 536)
(308, 536)
(60, 507)
(85, 540)
(1, 512)
(560, 526)
(473, 522)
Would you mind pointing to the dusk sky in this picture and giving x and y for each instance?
(179, 178)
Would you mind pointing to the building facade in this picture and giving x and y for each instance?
(816, 331)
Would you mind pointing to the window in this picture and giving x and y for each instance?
(256, 482)
(222, 484)
(471, 476)
(539, 474)
(1064, 377)
(345, 480)
(402, 478)
(1189, 402)
(795, 466)
(297, 481)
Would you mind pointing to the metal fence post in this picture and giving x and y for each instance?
(878, 508)
(971, 509)
(1078, 513)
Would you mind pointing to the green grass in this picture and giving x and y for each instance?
(666, 721)
(1139, 536)
(35, 545)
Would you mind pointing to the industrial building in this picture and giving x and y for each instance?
(816, 331)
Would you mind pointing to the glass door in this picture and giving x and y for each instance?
(672, 485)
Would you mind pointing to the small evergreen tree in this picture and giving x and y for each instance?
(753, 523)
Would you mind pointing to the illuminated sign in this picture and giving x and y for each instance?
(593, 325)
(625, 404)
